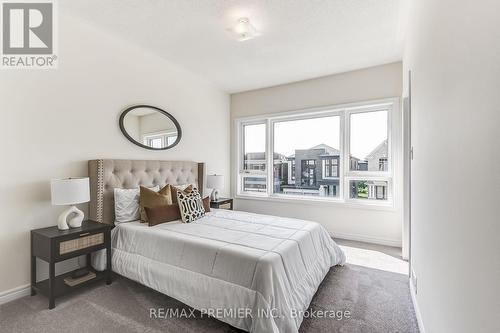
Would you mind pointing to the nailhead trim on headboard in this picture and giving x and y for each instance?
(100, 190)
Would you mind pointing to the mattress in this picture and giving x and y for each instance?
(255, 272)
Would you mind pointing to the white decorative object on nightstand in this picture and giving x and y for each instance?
(70, 191)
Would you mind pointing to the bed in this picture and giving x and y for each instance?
(254, 272)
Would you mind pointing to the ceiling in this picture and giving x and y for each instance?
(300, 39)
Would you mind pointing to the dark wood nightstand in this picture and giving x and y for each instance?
(222, 203)
(53, 245)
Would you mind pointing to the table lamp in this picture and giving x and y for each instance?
(70, 191)
(215, 182)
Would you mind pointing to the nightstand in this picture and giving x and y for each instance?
(53, 245)
(222, 203)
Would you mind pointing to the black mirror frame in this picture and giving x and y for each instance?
(165, 113)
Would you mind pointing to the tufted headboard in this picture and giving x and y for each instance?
(106, 175)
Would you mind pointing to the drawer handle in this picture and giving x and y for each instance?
(85, 234)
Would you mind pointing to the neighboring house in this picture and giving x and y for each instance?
(313, 171)
(257, 162)
(377, 159)
(316, 171)
(357, 164)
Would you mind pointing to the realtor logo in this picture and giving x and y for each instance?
(28, 34)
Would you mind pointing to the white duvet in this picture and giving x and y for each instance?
(255, 272)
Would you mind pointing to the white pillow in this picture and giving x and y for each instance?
(127, 204)
(182, 187)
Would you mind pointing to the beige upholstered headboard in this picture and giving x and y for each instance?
(106, 175)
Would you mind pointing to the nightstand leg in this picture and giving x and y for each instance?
(52, 284)
(33, 275)
(108, 264)
(88, 261)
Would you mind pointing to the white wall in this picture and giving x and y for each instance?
(54, 121)
(453, 51)
(362, 85)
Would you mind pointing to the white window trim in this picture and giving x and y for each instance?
(344, 111)
(164, 135)
(241, 173)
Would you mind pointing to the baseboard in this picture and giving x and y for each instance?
(10, 295)
(416, 308)
(368, 239)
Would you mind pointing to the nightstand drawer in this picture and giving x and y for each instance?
(222, 203)
(225, 206)
(85, 240)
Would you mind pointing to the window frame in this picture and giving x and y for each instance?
(304, 115)
(344, 111)
(163, 135)
(369, 175)
(242, 173)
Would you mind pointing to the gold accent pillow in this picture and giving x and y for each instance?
(152, 199)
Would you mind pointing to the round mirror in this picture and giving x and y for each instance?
(150, 127)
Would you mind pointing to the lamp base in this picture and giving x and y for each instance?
(215, 195)
(73, 222)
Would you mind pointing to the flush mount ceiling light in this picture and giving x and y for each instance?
(244, 30)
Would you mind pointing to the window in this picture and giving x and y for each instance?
(368, 140)
(154, 142)
(330, 168)
(254, 184)
(171, 139)
(159, 140)
(308, 177)
(253, 170)
(372, 190)
(255, 147)
(369, 155)
(382, 164)
(302, 145)
(341, 154)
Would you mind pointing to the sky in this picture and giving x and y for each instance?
(368, 130)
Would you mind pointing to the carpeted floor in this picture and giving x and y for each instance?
(378, 301)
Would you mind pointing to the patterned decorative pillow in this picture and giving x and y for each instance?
(175, 188)
(191, 205)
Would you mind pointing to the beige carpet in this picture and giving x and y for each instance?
(379, 301)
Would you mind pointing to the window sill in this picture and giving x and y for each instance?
(355, 204)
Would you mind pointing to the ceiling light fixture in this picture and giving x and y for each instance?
(245, 30)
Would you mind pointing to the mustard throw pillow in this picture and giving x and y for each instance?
(152, 199)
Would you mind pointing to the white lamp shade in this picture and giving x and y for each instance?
(215, 181)
(70, 191)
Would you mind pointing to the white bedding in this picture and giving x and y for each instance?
(269, 266)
